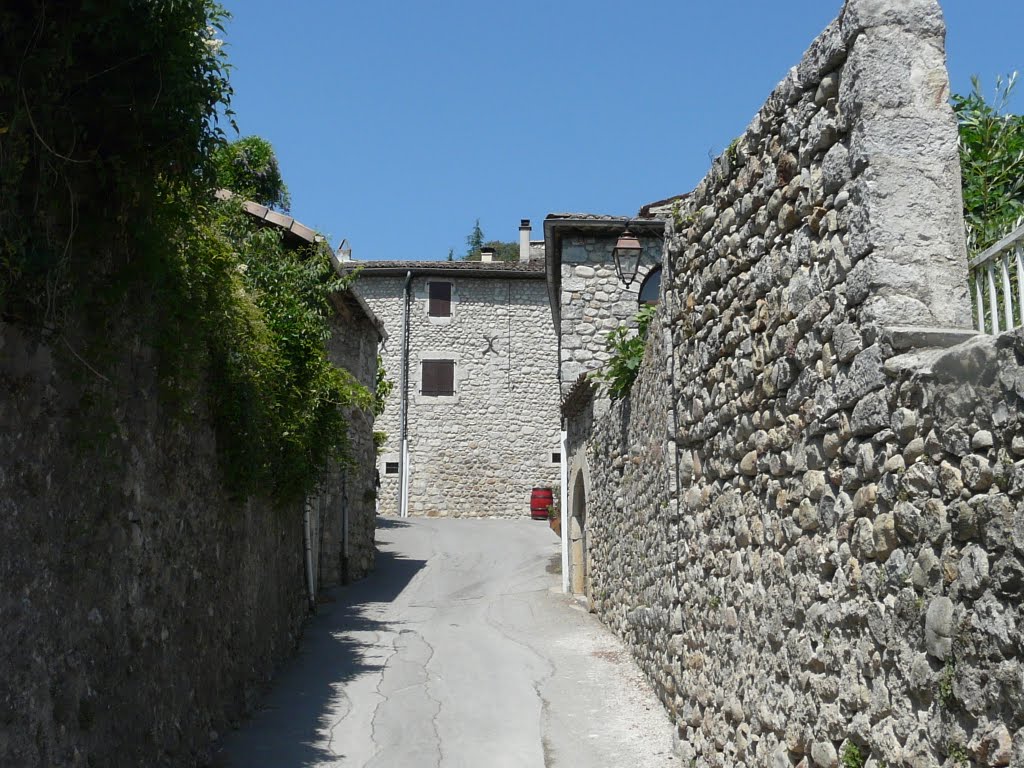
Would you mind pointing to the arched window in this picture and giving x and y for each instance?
(650, 288)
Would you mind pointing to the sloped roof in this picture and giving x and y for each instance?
(294, 230)
(300, 234)
(581, 393)
(509, 269)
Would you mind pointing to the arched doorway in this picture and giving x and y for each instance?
(578, 538)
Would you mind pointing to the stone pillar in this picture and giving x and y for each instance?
(906, 232)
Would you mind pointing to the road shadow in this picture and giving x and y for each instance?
(338, 645)
(386, 523)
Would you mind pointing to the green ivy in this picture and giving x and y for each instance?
(104, 106)
(111, 153)
(249, 168)
(626, 347)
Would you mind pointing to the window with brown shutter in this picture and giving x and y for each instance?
(438, 378)
(440, 299)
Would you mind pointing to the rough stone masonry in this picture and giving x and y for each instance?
(808, 519)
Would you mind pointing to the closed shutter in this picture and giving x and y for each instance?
(438, 378)
(440, 299)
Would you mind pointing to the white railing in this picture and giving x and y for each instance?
(998, 287)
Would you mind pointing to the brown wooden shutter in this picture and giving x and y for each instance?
(438, 377)
(440, 299)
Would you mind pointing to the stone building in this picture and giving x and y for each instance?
(472, 422)
(588, 300)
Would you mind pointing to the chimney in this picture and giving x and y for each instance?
(344, 252)
(487, 254)
(524, 240)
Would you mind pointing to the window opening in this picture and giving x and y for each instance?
(438, 378)
(650, 288)
(390, 467)
(440, 304)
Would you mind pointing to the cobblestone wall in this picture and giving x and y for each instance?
(141, 607)
(849, 528)
(593, 300)
(480, 452)
(347, 506)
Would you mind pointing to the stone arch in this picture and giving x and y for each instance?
(579, 576)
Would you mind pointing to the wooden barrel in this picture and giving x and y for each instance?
(540, 500)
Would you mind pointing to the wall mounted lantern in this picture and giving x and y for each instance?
(627, 256)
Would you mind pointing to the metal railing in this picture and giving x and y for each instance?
(997, 285)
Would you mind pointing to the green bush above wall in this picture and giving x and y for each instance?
(111, 120)
(992, 163)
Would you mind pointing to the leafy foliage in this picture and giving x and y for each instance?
(992, 163)
(103, 106)
(475, 243)
(279, 401)
(383, 388)
(627, 352)
(249, 168)
(110, 148)
(851, 756)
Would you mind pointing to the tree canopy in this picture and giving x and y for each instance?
(992, 163)
(112, 148)
(475, 243)
(248, 167)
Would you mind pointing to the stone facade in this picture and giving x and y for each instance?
(588, 298)
(808, 519)
(480, 451)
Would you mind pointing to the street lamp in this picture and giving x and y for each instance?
(627, 256)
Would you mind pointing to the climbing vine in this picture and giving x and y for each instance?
(112, 144)
(626, 347)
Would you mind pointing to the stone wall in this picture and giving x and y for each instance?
(347, 506)
(842, 491)
(142, 607)
(593, 301)
(480, 452)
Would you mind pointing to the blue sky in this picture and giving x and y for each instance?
(398, 124)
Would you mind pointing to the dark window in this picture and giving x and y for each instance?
(440, 299)
(650, 287)
(390, 467)
(556, 458)
(438, 377)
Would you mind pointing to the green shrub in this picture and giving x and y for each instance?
(110, 120)
(627, 352)
(249, 168)
(992, 163)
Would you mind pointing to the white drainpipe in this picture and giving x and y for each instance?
(311, 587)
(563, 502)
(403, 482)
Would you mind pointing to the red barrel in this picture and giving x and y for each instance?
(540, 500)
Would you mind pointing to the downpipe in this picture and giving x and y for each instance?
(307, 536)
(403, 441)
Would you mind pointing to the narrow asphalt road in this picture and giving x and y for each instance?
(458, 651)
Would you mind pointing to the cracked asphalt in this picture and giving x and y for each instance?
(459, 650)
